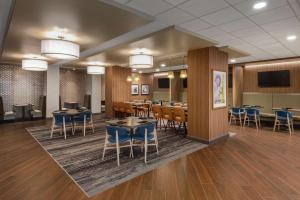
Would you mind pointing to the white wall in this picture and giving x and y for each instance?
(96, 94)
(52, 102)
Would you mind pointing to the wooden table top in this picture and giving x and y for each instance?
(130, 122)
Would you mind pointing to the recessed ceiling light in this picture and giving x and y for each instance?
(232, 60)
(259, 5)
(133, 69)
(140, 72)
(163, 65)
(157, 70)
(291, 37)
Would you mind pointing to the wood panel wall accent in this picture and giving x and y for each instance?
(237, 85)
(175, 87)
(117, 88)
(251, 82)
(205, 123)
(144, 79)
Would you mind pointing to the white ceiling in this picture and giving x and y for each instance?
(261, 33)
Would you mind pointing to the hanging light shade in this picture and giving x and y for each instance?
(183, 74)
(141, 61)
(95, 70)
(60, 49)
(171, 75)
(34, 65)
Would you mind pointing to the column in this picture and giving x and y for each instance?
(237, 85)
(96, 94)
(117, 88)
(205, 123)
(52, 99)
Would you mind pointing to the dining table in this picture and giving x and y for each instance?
(136, 105)
(130, 122)
(289, 109)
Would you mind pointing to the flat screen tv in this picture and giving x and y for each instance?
(274, 79)
(163, 83)
(184, 82)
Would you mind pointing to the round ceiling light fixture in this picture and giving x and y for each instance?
(259, 5)
(34, 65)
(171, 75)
(60, 49)
(291, 37)
(95, 70)
(141, 61)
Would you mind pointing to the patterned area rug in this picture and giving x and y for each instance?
(81, 157)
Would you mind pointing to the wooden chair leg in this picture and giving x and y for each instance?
(275, 123)
(289, 125)
(104, 149)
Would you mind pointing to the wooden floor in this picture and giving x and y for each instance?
(250, 165)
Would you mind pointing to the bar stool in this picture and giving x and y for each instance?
(285, 118)
(167, 114)
(180, 118)
(157, 114)
(236, 114)
(129, 109)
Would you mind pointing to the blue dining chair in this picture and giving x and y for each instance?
(145, 135)
(84, 119)
(236, 113)
(252, 115)
(284, 118)
(117, 138)
(62, 121)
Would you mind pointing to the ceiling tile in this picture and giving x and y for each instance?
(152, 7)
(248, 32)
(222, 16)
(122, 1)
(246, 7)
(260, 39)
(194, 25)
(273, 15)
(235, 1)
(286, 24)
(278, 50)
(202, 7)
(237, 25)
(174, 16)
(210, 32)
(295, 6)
(175, 2)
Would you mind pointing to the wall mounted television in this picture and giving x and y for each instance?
(274, 79)
(163, 83)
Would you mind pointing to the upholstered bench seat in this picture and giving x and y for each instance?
(9, 115)
(36, 114)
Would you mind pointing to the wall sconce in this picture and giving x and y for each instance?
(171, 75)
(183, 74)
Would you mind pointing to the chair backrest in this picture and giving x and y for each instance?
(179, 114)
(237, 110)
(252, 111)
(115, 106)
(111, 131)
(122, 106)
(129, 108)
(87, 114)
(59, 117)
(141, 130)
(167, 112)
(156, 109)
(284, 114)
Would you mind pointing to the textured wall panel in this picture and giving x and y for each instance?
(72, 86)
(18, 86)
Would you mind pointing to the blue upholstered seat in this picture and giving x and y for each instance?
(284, 115)
(122, 134)
(140, 132)
(251, 112)
(58, 119)
(80, 118)
(237, 110)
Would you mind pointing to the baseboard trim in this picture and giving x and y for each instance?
(211, 142)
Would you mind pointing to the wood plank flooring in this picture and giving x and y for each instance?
(251, 165)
